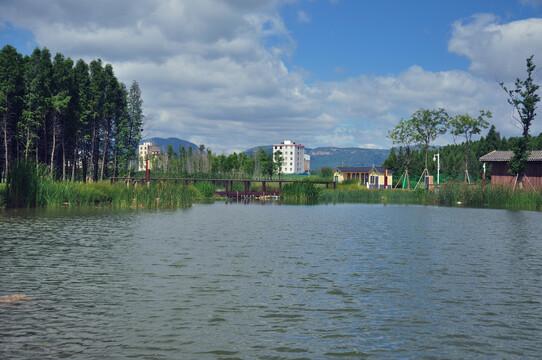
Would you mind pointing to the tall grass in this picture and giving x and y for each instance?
(349, 194)
(306, 191)
(30, 185)
(156, 195)
(3, 190)
(488, 196)
(23, 183)
(452, 193)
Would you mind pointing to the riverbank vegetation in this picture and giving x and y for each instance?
(31, 185)
(74, 117)
(451, 193)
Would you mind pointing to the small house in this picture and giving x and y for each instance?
(499, 173)
(372, 177)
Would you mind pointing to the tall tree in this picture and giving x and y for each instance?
(136, 121)
(37, 98)
(11, 91)
(278, 160)
(524, 99)
(429, 124)
(97, 100)
(466, 126)
(112, 111)
(405, 135)
(81, 126)
(60, 101)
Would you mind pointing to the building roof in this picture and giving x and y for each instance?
(363, 169)
(505, 156)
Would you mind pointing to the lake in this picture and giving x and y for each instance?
(253, 281)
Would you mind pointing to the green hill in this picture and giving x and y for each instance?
(334, 156)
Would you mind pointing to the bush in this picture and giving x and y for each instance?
(206, 189)
(301, 191)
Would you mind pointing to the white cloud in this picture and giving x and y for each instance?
(531, 2)
(496, 50)
(212, 71)
(303, 17)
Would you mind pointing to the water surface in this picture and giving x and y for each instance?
(272, 282)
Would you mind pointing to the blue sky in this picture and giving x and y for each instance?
(233, 74)
(385, 37)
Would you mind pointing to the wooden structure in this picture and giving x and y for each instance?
(228, 185)
(372, 177)
(499, 174)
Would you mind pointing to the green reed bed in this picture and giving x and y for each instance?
(3, 195)
(349, 194)
(488, 196)
(156, 195)
(305, 191)
(452, 193)
(31, 185)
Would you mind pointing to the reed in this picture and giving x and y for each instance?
(488, 196)
(350, 194)
(206, 189)
(30, 185)
(452, 193)
(3, 195)
(306, 191)
(23, 183)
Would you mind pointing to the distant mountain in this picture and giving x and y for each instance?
(320, 157)
(174, 142)
(335, 157)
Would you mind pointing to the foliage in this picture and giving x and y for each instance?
(326, 171)
(428, 125)
(3, 189)
(206, 189)
(278, 160)
(404, 134)
(465, 125)
(524, 99)
(452, 157)
(305, 190)
(452, 193)
(73, 118)
(23, 188)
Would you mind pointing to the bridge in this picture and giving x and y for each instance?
(228, 185)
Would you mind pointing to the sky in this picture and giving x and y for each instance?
(234, 74)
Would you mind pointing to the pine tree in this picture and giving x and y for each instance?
(11, 91)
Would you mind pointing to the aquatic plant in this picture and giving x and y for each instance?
(206, 189)
(301, 191)
(23, 183)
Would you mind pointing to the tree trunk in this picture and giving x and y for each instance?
(6, 147)
(53, 150)
(104, 157)
(115, 162)
(93, 155)
(84, 164)
(74, 160)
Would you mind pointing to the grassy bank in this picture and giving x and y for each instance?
(452, 193)
(30, 185)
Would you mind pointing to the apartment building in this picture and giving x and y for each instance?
(147, 150)
(293, 156)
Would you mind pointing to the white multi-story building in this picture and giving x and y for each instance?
(147, 150)
(292, 156)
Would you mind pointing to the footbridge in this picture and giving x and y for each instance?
(227, 185)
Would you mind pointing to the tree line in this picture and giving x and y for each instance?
(452, 157)
(202, 162)
(425, 125)
(76, 118)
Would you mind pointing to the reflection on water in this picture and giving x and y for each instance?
(269, 281)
